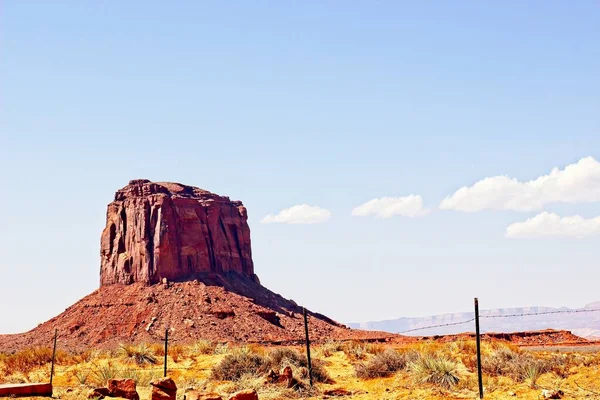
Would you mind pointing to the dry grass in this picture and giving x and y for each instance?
(425, 370)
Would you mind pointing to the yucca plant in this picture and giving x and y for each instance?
(532, 373)
(103, 372)
(435, 370)
(81, 375)
(141, 354)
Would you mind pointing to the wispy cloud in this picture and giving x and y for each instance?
(576, 183)
(386, 207)
(298, 214)
(551, 225)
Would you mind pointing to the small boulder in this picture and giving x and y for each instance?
(124, 388)
(98, 393)
(552, 394)
(248, 394)
(163, 389)
(196, 395)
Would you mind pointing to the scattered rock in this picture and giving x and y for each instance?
(286, 377)
(164, 389)
(552, 394)
(98, 393)
(270, 316)
(248, 394)
(124, 388)
(222, 314)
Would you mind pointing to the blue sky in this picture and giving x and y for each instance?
(329, 104)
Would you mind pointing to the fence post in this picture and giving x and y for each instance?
(166, 350)
(53, 357)
(310, 372)
(478, 341)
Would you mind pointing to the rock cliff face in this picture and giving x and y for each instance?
(157, 230)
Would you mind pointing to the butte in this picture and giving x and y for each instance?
(178, 258)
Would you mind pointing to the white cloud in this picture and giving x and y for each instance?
(299, 214)
(386, 207)
(576, 183)
(551, 225)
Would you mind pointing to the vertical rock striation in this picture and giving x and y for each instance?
(157, 230)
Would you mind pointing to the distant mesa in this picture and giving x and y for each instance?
(164, 230)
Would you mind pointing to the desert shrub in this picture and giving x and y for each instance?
(280, 358)
(247, 362)
(330, 347)
(141, 354)
(81, 376)
(141, 378)
(222, 348)
(356, 350)
(519, 366)
(532, 372)
(435, 370)
(81, 357)
(464, 346)
(237, 364)
(176, 352)
(384, 364)
(157, 349)
(25, 361)
(103, 372)
(204, 347)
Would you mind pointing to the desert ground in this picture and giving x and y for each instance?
(353, 370)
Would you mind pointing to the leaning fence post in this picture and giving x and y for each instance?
(478, 341)
(53, 357)
(166, 350)
(310, 372)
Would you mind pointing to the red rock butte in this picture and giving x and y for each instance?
(200, 243)
(158, 230)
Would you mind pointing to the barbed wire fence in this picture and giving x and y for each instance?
(478, 336)
(169, 337)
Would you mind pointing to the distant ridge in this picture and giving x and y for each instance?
(584, 324)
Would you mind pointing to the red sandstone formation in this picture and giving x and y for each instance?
(200, 243)
(173, 231)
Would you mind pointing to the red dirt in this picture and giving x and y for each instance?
(235, 310)
(548, 337)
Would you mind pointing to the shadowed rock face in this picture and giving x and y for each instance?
(157, 230)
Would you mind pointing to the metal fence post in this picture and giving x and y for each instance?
(53, 357)
(310, 372)
(478, 341)
(166, 350)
